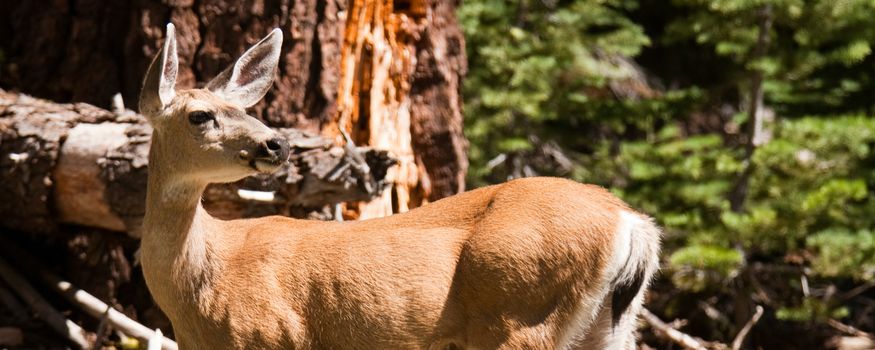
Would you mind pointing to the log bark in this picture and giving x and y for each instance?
(393, 66)
(79, 164)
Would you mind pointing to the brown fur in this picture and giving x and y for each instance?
(499, 266)
(529, 264)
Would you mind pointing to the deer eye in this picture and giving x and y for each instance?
(200, 117)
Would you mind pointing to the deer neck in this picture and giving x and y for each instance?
(178, 259)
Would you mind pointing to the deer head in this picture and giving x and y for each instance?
(213, 137)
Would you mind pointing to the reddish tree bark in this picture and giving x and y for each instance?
(88, 50)
(437, 99)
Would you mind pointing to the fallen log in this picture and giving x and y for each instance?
(79, 164)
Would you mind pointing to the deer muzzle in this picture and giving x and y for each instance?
(270, 155)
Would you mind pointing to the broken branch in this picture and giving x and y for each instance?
(742, 334)
(53, 318)
(82, 299)
(680, 338)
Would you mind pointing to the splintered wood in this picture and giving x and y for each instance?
(378, 57)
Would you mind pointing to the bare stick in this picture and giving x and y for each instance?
(857, 340)
(680, 338)
(858, 290)
(851, 330)
(54, 319)
(739, 338)
(11, 303)
(102, 329)
(87, 302)
(155, 341)
(96, 308)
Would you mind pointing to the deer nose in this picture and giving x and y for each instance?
(276, 149)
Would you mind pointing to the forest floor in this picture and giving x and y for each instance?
(102, 263)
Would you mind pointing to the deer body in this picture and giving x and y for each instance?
(532, 263)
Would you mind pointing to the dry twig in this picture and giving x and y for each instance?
(102, 329)
(85, 301)
(96, 308)
(11, 303)
(155, 341)
(53, 318)
(850, 330)
(686, 341)
(857, 290)
(858, 339)
(742, 334)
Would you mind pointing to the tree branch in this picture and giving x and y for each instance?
(742, 334)
(82, 299)
(52, 317)
(661, 328)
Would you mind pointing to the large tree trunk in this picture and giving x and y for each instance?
(386, 72)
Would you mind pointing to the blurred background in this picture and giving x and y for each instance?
(745, 127)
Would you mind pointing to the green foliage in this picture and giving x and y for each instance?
(812, 180)
(547, 93)
(808, 43)
(697, 267)
(531, 65)
(811, 309)
(844, 253)
(809, 193)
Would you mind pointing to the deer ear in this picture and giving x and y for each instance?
(246, 82)
(159, 87)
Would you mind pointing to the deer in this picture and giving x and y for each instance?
(533, 263)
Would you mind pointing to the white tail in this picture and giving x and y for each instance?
(538, 263)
